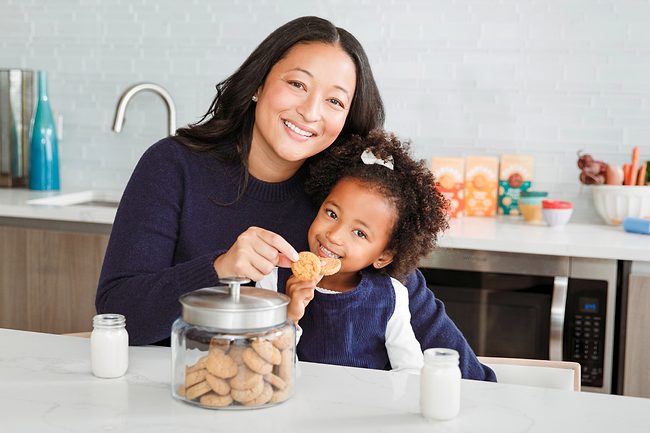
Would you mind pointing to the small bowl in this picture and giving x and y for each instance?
(556, 213)
(616, 202)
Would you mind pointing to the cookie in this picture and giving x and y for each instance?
(286, 366)
(214, 400)
(284, 341)
(246, 395)
(221, 365)
(330, 266)
(194, 377)
(217, 384)
(307, 267)
(256, 363)
(219, 343)
(197, 390)
(263, 397)
(236, 353)
(245, 378)
(276, 381)
(200, 365)
(279, 395)
(267, 351)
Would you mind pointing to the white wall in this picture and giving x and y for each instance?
(458, 77)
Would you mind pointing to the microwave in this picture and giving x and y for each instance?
(532, 306)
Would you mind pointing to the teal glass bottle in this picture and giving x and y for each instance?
(43, 150)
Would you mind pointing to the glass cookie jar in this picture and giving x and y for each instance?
(233, 348)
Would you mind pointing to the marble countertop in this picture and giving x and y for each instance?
(47, 386)
(507, 234)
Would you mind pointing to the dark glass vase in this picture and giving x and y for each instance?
(44, 151)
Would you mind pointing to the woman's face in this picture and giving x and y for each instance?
(301, 108)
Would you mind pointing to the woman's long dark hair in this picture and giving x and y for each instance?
(226, 129)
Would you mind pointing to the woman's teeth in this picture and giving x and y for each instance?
(297, 130)
(328, 253)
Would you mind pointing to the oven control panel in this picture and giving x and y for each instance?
(584, 339)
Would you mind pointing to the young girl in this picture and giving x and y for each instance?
(379, 215)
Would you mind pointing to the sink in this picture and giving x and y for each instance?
(94, 198)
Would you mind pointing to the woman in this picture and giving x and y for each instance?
(225, 196)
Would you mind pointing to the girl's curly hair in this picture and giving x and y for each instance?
(410, 186)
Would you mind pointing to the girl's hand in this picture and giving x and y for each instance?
(301, 293)
(254, 254)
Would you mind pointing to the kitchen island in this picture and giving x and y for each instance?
(46, 386)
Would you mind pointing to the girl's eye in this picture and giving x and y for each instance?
(359, 234)
(331, 214)
(335, 101)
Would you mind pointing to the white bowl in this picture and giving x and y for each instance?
(557, 217)
(615, 202)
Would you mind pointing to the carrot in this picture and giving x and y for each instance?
(642, 170)
(635, 162)
(626, 174)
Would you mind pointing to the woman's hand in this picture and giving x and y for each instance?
(254, 255)
(301, 293)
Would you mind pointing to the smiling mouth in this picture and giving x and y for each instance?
(297, 130)
(327, 253)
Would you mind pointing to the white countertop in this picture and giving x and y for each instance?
(507, 234)
(46, 386)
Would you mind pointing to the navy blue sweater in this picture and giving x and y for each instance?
(171, 225)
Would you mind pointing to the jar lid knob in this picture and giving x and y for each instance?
(234, 284)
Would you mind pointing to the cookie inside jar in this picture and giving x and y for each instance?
(238, 368)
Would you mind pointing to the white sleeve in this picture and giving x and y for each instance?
(269, 282)
(403, 348)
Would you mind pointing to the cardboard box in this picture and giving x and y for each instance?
(450, 181)
(481, 184)
(515, 176)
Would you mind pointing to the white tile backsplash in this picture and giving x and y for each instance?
(546, 78)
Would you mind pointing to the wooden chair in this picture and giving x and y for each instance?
(535, 372)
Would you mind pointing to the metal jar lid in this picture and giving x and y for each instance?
(233, 307)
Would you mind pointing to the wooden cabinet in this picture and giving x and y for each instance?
(48, 278)
(637, 341)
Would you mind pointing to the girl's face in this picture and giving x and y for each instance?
(301, 108)
(353, 224)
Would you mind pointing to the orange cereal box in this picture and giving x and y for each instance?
(481, 185)
(515, 177)
(450, 176)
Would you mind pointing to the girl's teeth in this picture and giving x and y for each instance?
(297, 130)
(328, 253)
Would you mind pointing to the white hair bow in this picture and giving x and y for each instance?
(369, 158)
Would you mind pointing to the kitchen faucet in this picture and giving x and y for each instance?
(131, 91)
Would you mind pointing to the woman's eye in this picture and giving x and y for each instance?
(335, 101)
(330, 213)
(297, 84)
(359, 234)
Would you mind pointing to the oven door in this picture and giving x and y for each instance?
(531, 306)
(501, 315)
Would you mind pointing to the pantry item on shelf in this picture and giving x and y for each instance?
(637, 225)
(233, 347)
(450, 181)
(481, 185)
(530, 205)
(515, 176)
(616, 202)
(556, 213)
